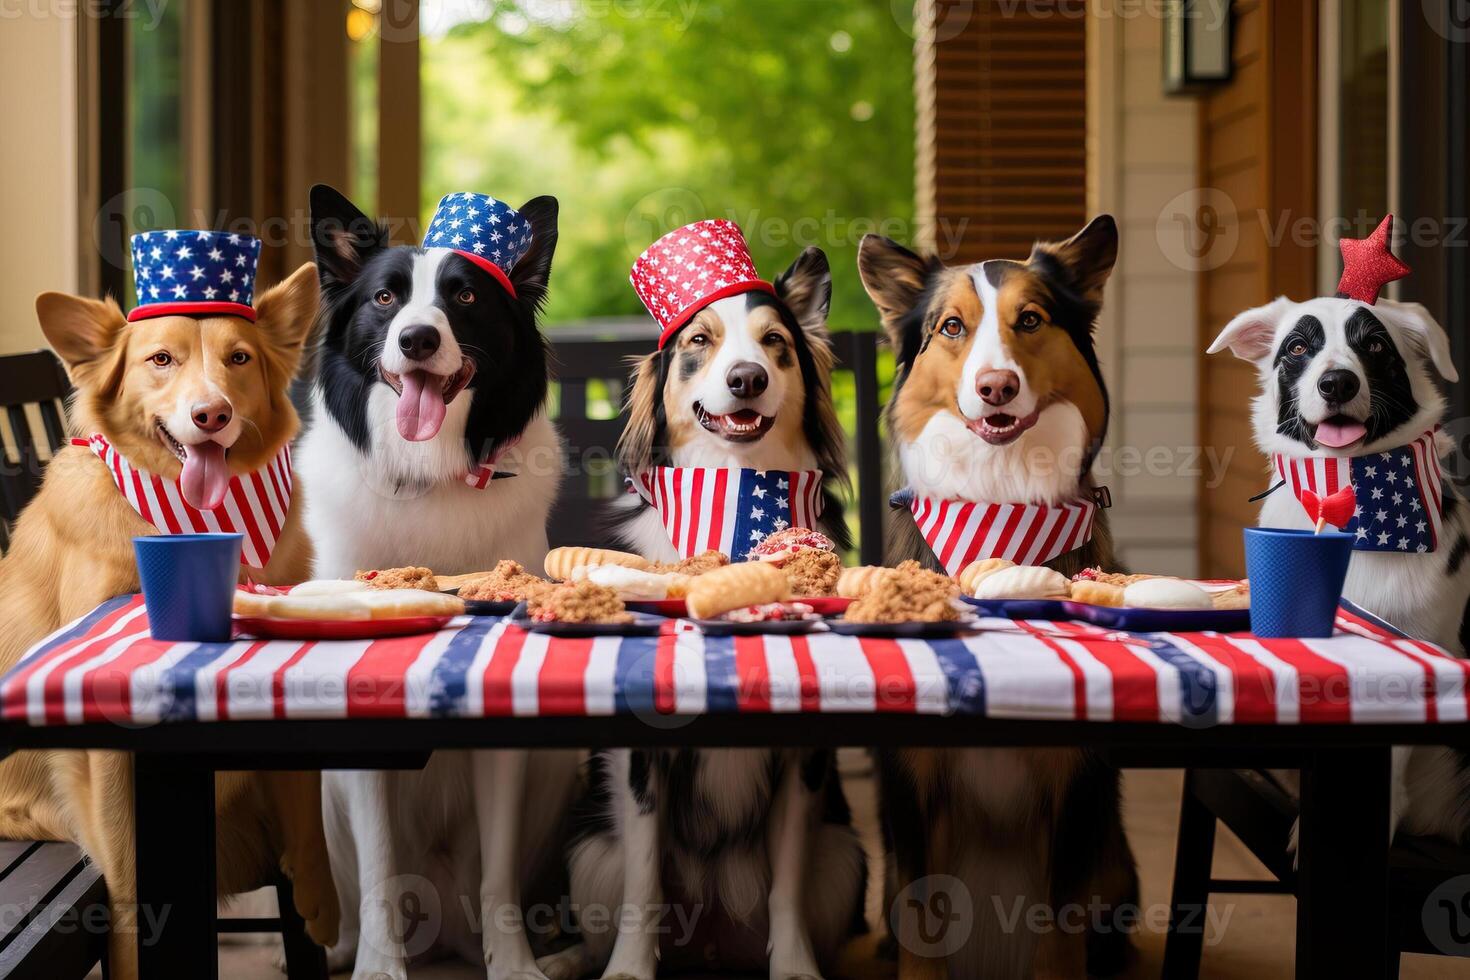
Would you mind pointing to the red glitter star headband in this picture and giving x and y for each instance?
(1368, 265)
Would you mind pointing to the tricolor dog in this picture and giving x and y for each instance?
(429, 445)
(998, 402)
(733, 414)
(1348, 397)
(183, 421)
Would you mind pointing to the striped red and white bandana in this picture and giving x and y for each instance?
(962, 531)
(1399, 493)
(255, 505)
(729, 510)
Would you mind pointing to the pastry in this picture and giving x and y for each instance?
(329, 586)
(779, 546)
(812, 573)
(854, 582)
(1097, 593)
(367, 604)
(771, 612)
(1238, 597)
(634, 584)
(906, 594)
(1166, 593)
(410, 577)
(1024, 582)
(972, 573)
(508, 581)
(1122, 579)
(561, 561)
(746, 584)
(578, 602)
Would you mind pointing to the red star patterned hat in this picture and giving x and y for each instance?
(1368, 264)
(690, 268)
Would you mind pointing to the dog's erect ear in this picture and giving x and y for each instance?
(285, 315)
(84, 332)
(532, 274)
(1250, 336)
(1420, 328)
(806, 289)
(1089, 256)
(636, 444)
(343, 236)
(894, 278)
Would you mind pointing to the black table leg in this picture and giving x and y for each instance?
(174, 805)
(1342, 892)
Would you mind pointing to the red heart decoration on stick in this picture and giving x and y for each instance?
(1335, 509)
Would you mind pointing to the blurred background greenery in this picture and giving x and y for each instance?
(794, 119)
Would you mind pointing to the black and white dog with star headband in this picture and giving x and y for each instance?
(1349, 394)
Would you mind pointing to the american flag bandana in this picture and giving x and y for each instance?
(729, 510)
(962, 531)
(1399, 492)
(255, 505)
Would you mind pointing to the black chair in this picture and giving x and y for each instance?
(1259, 812)
(36, 379)
(591, 366)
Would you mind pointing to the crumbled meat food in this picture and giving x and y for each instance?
(578, 602)
(705, 561)
(813, 573)
(907, 594)
(409, 577)
(508, 581)
(1120, 579)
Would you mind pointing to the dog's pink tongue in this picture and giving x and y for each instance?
(1336, 436)
(421, 406)
(205, 479)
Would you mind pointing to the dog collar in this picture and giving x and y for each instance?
(255, 505)
(963, 531)
(480, 476)
(730, 510)
(1398, 491)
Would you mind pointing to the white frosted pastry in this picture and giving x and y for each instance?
(329, 586)
(629, 583)
(367, 604)
(1166, 593)
(1023, 582)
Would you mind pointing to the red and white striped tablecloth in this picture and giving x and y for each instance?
(106, 668)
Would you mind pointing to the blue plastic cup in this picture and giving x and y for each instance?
(1296, 580)
(189, 584)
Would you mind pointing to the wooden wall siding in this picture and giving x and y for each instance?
(1002, 126)
(1257, 147)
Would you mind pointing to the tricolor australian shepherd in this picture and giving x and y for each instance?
(998, 398)
(1344, 378)
(427, 367)
(756, 843)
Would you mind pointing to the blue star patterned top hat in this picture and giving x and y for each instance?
(194, 272)
(489, 233)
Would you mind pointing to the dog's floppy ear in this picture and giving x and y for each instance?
(343, 236)
(532, 274)
(1250, 335)
(86, 333)
(1422, 329)
(894, 278)
(806, 289)
(1089, 256)
(285, 315)
(641, 409)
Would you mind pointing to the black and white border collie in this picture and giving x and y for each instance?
(998, 398)
(1340, 377)
(746, 383)
(758, 841)
(426, 367)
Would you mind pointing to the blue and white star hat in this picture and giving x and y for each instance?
(194, 272)
(489, 233)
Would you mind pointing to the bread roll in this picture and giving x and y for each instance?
(1166, 593)
(734, 587)
(853, 583)
(1024, 582)
(1097, 593)
(972, 573)
(561, 561)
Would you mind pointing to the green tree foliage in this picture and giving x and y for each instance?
(794, 118)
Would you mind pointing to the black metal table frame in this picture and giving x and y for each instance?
(1342, 904)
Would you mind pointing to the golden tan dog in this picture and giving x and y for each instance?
(139, 385)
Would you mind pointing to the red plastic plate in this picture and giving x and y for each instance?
(337, 629)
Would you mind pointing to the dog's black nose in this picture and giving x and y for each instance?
(418, 342)
(1338, 386)
(747, 380)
